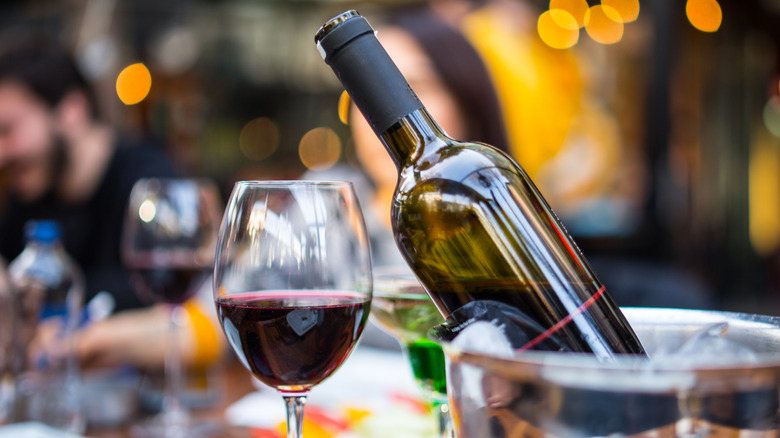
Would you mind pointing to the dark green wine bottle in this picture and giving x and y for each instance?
(466, 217)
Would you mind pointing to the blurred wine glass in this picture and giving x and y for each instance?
(403, 309)
(292, 283)
(168, 246)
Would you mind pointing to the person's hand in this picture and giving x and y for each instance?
(135, 337)
(138, 338)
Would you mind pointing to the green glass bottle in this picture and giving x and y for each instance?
(466, 217)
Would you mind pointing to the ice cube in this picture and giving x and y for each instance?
(483, 337)
(710, 346)
(483, 389)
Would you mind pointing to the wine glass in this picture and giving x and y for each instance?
(403, 309)
(168, 245)
(292, 283)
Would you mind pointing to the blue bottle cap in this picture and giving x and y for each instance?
(43, 231)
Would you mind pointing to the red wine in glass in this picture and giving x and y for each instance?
(292, 340)
(169, 284)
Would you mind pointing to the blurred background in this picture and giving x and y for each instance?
(652, 127)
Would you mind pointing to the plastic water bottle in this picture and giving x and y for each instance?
(6, 342)
(48, 296)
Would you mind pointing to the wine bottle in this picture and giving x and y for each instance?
(466, 217)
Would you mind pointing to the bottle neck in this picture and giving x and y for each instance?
(413, 136)
(349, 45)
(379, 90)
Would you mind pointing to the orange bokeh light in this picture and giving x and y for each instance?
(605, 25)
(319, 149)
(558, 29)
(577, 8)
(133, 84)
(628, 9)
(704, 15)
(344, 103)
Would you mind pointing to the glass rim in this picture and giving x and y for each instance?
(293, 183)
(166, 179)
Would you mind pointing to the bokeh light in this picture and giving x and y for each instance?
(147, 211)
(176, 50)
(558, 29)
(604, 25)
(772, 115)
(133, 84)
(344, 103)
(627, 9)
(577, 8)
(704, 15)
(259, 138)
(319, 148)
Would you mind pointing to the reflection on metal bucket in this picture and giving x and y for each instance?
(543, 394)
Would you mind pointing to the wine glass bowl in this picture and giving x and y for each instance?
(169, 237)
(292, 282)
(402, 308)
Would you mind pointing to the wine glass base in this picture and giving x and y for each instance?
(167, 426)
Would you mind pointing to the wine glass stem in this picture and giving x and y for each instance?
(295, 404)
(173, 409)
(442, 412)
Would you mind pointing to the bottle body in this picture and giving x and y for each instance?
(467, 218)
(473, 226)
(48, 295)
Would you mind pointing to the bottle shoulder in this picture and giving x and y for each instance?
(462, 167)
(455, 160)
(48, 264)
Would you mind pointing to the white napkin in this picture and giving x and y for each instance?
(33, 430)
(368, 378)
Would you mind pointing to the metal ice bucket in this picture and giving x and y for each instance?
(538, 394)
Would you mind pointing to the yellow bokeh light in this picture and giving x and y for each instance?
(344, 103)
(577, 8)
(704, 15)
(604, 25)
(558, 29)
(319, 148)
(627, 9)
(133, 84)
(772, 116)
(259, 138)
(764, 194)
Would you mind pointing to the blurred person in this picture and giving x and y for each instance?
(60, 161)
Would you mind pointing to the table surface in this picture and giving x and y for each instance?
(231, 381)
(372, 392)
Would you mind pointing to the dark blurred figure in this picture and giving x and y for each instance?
(60, 161)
